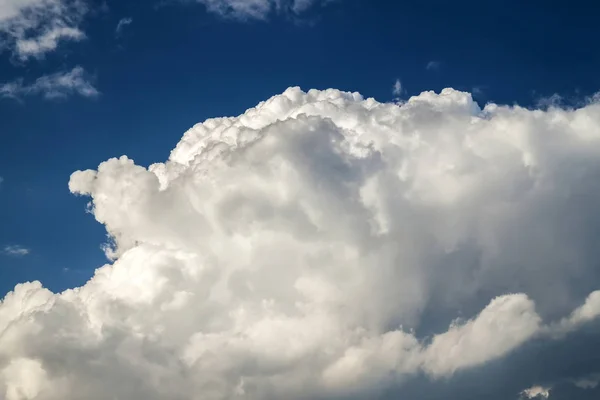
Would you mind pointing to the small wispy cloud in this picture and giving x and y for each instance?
(432, 65)
(15, 251)
(479, 90)
(48, 41)
(122, 24)
(588, 382)
(246, 10)
(54, 86)
(32, 28)
(397, 88)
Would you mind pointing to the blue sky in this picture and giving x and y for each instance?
(177, 64)
(418, 210)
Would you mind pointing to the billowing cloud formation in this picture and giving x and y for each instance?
(54, 86)
(323, 245)
(32, 28)
(258, 9)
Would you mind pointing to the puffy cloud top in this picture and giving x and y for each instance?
(322, 245)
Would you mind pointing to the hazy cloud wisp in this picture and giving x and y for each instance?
(32, 28)
(15, 250)
(259, 9)
(397, 88)
(123, 22)
(54, 86)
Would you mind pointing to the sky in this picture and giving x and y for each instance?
(256, 199)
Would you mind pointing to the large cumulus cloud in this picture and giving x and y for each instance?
(323, 245)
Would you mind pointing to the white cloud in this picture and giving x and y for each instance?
(259, 9)
(397, 88)
(58, 85)
(301, 249)
(462, 346)
(479, 340)
(32, 28)
(536, 392)
(123, 22)
(15, 250)
(587, 312)
(47, 41)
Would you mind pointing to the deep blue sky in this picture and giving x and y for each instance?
(175, 66)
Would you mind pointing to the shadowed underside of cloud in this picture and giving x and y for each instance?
(323, 245)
